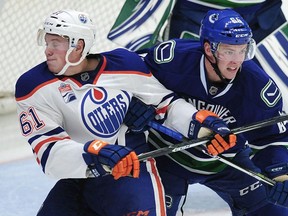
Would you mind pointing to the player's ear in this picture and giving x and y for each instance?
(207, 49)
(80, 45)
(208, 52)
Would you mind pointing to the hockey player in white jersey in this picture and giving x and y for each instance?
(71, 109)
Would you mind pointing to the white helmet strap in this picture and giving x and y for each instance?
(68, 63)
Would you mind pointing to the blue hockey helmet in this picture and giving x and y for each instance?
(228, 27)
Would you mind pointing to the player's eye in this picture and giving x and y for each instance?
(229, 52)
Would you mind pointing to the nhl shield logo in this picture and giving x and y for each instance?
(213, 90)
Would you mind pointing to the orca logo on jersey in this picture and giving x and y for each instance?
(103, 111)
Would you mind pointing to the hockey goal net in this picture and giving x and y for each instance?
(19, 24)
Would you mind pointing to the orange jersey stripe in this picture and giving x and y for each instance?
(157, 179)
(49, 140)
(36, 89)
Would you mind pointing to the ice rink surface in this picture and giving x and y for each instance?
(24, 186)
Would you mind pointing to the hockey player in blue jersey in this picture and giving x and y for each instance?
(71, 109)
(218, 74)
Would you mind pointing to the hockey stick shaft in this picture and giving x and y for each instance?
(159, 127)
(179, 136)
(192, 143)
(249, 172)
(256, 175)
(252, 173)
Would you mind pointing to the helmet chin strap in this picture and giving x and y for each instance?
(68, 63)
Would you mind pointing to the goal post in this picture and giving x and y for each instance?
(19, 24)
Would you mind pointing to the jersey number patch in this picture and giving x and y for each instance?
(30, 120)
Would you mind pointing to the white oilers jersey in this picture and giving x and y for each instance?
(58, 114)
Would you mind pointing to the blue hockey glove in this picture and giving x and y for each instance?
(279, 194)
(223, 138)
(122, 160)
(138, 115)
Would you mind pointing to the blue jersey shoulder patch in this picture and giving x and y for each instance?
(164, 52)
(270, 94)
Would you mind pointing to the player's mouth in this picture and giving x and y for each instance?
(51, 62)
(232, 69)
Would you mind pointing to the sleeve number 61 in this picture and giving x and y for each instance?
(30, 120)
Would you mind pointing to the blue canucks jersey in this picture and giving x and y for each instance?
(252, 96)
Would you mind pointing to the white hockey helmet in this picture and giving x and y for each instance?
(72, 24)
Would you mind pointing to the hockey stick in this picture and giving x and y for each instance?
(252, 173)
(192, 143)
(253, 126)
(224, 160)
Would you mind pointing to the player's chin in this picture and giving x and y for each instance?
(231, 73)
(54, 70)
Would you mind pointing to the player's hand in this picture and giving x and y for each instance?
(278, 194)
(223, 138)
(138, 115)
(122, 160)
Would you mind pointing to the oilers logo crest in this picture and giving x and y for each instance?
(102, 113)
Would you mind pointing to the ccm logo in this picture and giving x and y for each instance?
(252, 187)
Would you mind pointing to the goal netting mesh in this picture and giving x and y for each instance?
(20, 20)
(19, 24)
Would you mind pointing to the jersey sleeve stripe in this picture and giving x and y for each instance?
(46, 141)
(35, 90)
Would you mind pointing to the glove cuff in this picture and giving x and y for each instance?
(199, 121)
(94, 146)
(277, 170)
(94, 166)
(193, 130)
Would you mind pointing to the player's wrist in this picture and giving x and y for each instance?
(281, 178)
(203, 123)
(94, 167)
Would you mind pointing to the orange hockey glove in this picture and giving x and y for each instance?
(223, 138)
(122, 160)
